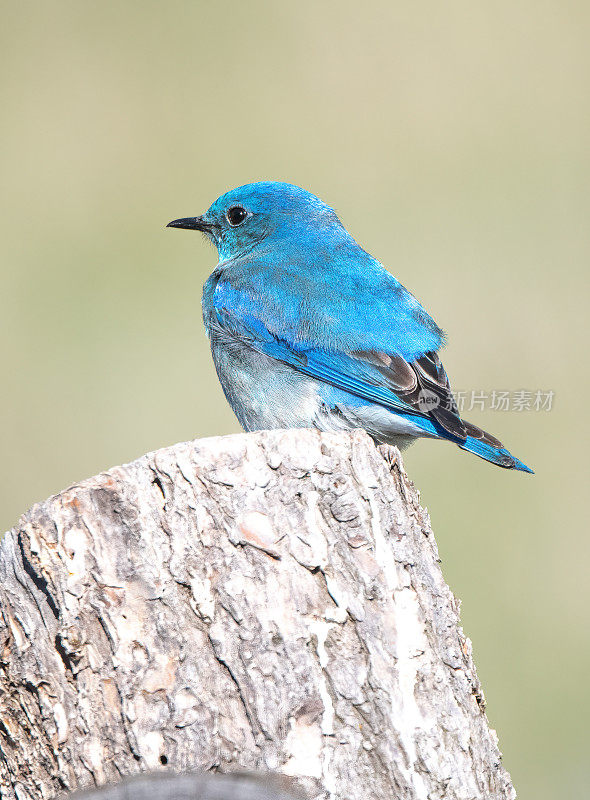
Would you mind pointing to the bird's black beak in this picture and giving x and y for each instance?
(191, 224)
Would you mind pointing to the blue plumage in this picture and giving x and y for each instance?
(309, 330)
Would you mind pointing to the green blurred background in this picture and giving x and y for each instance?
(454, 141)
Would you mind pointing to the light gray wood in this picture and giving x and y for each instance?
(269, 601)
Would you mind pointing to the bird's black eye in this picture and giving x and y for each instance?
(236, 215)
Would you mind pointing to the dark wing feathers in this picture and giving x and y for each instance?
(429, 374)
(483, 436)
(423, 385)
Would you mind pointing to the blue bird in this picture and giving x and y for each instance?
(308, 330)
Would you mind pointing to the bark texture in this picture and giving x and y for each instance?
(268, 601)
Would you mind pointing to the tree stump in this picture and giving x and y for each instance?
(269, 601)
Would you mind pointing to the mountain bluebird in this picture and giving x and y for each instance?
(308, 330)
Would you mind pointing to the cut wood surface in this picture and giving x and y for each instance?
(269, 601)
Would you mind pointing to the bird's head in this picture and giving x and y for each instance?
(242, 218)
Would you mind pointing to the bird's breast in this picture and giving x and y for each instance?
(263, 393)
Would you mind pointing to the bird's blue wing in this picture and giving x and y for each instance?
(372, 376)
(338, 369)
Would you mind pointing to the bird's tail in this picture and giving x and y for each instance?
(486, 446)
